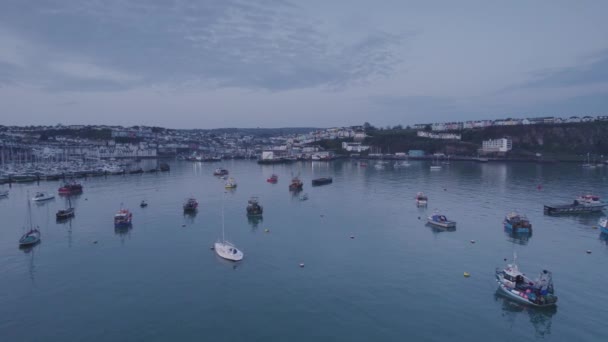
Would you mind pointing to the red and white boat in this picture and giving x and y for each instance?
(123, 218)
(70, 188)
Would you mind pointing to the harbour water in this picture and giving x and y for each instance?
(396, 279)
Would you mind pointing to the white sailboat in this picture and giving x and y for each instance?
(224, 248)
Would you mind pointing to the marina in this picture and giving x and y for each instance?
(359, 251)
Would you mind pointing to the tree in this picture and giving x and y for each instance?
(367, 127)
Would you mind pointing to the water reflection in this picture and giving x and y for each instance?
(254, 221)
(541, 319)
(123, 230)
(520, 238)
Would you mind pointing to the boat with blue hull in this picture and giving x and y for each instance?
(603, 223)
(440, 220)
(517, 223)
(582, 205)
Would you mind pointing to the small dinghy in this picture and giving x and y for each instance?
(440, 221)
(273, 179)
(304, 197)
(143, 204)
(515, 285)
(190, 205)
(220, 172)
(230, 183)
(421, 199)
(66, 213)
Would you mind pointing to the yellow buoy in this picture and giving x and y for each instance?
(466, 274)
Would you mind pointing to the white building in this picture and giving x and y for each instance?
(354, 147)
(497, 145)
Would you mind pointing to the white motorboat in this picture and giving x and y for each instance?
(441, 221)
(435, 167)
(515, 285)
(42, 196)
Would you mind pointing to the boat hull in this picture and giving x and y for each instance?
(517, 228)
(508, 293)
(321, 181)
(573, 209)
(227, 252)
(447, 224)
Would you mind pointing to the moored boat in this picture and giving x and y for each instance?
(42, 196)
(322, 181)
(421, 199)
(441, 221)
(582, 204)
(296, 184)
(230, 183)
(67, 212)
(517, 223)
(515, 285)
(143, 204)
(32, 236)
(220, 172)
(603, 223)
(253, 207)
(273, 179)
(122, 218)
(70, 188)
(190, 205)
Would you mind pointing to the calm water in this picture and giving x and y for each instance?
(396, 280)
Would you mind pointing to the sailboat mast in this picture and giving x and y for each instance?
(29, 213)
(223, 237)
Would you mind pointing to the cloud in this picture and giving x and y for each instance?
(271, 45)
(592, 71)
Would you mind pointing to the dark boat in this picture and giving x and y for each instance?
(63, 214)
(581, 205)
(254, 208)
(164, 167)
(191, 205)
(220, 172)
(136, 171)
(123, 218)
(322, 181)
(296, 184)
(143, 204)
(32, 236)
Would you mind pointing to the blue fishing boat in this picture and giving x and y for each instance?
(603, 223)
(441, 221)
(517, 223)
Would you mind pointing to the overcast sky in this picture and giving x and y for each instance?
(275, 63)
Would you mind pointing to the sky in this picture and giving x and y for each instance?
(314, 63)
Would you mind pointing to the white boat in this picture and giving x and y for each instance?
(42, 196)
(515, 285)
(4, 193)
(435, 167)
(441, 221)
(226, 249)
(421, 199)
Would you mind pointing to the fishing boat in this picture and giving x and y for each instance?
(296, 184)
(224, 248)
(220, 172)
(42, 196)
(421, 199)
(66, 213)
(143, 204)
(603, 223)
(322, 181)
(230, 183)
(582, 204)
(122, 218)
(273, 179)
(441, 221)
(32, 236)
(254, 208)
(70, 188)
(515, 285)
(517, 223)
(190, 205)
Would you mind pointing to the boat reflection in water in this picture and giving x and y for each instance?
(254, 221)
(123, 230)
(518, 237)
(540, 318)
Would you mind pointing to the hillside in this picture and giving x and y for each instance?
(564, 141)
